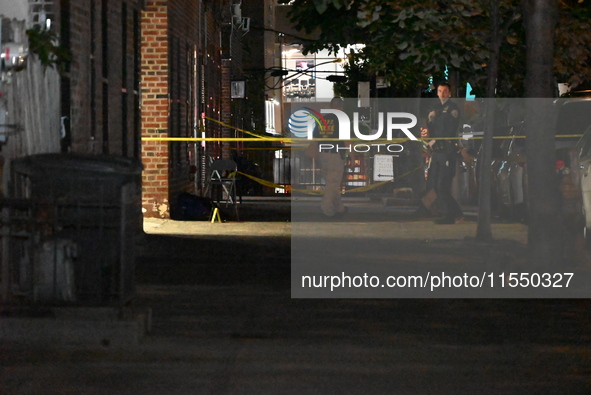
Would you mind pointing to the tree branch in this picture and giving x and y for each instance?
(505, 26)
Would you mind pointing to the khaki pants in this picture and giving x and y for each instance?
(333, 167)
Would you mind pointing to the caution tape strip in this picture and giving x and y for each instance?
(321, 192)
(264, 138)
(235, 128)
(297, 140)
(196, 139)
(258, 137)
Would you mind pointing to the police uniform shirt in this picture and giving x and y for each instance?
(445, 124)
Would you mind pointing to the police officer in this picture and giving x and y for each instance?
(332, 164)
(443, 121)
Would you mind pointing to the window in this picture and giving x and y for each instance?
(41, 13)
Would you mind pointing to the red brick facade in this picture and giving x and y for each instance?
(155, 106)
(181, 74)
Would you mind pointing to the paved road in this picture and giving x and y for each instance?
(224, 323)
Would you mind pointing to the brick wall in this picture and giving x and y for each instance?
(99, 88)
(183, 40)
(155, 107)
(255, 43)
(227, 117)
(79, 34)
(233, 110)
(181, 78)
(212, 64)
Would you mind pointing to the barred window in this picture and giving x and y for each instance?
(41, 12)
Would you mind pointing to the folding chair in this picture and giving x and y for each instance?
(221, 183)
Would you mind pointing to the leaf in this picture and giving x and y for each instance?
(321, 5)
(337, 4)
(403, 56)
(362, 14)
(43, 43)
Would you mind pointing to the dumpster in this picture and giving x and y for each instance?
(71, 237)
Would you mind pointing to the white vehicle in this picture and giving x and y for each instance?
(584, 151)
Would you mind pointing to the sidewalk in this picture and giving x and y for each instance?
(365, 219)
(424, 229)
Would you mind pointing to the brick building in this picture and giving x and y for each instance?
(264, 52)
(82, 97)
(101, 85)
(190, 55)
(92, 105)
(139, 68)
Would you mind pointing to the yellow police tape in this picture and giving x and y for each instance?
(288, 139)
(320, 192)
(235, 128)
(291, 140)
(259, 137)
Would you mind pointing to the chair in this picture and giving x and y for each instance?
(221, 183)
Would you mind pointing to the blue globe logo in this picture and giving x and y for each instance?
(300, 122)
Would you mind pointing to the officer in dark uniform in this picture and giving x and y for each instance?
(443, 122)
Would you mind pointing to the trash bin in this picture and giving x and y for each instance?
(90, 203)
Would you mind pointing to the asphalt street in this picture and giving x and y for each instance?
(224, 322)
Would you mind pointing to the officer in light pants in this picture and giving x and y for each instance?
(332, 163)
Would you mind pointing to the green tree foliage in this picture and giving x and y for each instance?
(43, 43)
(407, 40)
(572, 45)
